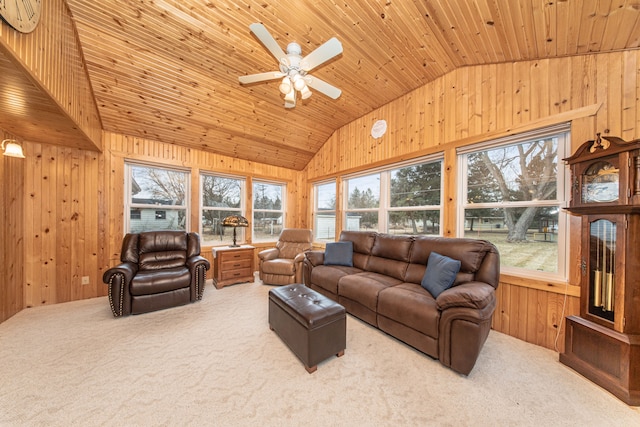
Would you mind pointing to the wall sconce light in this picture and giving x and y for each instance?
(235, 221)
(11, 148)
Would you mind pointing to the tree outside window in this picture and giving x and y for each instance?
(414, 189)
(221, 196)
(402, 200)
(513, 198)
(363, 203)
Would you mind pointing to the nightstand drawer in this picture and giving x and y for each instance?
(236, 263)
(236, 256)
(235, 274)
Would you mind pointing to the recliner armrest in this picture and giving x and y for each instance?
(128, 269)
(197, 260)
(476, 295)
(267, 254)
(299, 258)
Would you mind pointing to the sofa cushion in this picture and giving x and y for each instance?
(364, 287)
(281, 266)
(362, 244)
(339, 253)
(390, 255)
(411, 305)
(148, 282)
(440, 273)
(470, 252)
(328, 276)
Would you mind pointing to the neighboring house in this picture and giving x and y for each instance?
(154, 218)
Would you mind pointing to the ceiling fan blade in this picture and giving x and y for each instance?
(322, 54)
(323, 87)
(268, 41)
(261, 77)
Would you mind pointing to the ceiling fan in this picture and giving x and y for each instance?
(294, 68)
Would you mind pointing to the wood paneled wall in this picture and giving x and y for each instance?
(597, 93)
(65, 211)
(11, 234)
(60, 224)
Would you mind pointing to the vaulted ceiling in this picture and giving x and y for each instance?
(168, 69)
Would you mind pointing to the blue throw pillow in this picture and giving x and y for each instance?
(440, 273)
(339, 253)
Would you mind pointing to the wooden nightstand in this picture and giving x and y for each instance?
(232, 265)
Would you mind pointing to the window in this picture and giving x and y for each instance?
(150, 187)
(403, 200)
(221, 196)
(512, 193)
(324, 211)
(268, 210)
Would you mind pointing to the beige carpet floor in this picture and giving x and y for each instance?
(217, 363)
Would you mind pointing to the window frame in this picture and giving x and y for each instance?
(129, 165)
(563, 133)
(282, 210)
(241, 235)
(384, 207)
(316, 210)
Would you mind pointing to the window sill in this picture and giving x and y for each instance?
(558, 287)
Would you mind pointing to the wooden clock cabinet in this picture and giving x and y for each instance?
(603, 342)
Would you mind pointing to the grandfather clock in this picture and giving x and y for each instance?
(603, 343)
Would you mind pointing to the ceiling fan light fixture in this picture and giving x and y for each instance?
(298, 82)
(285, 86)
(291, 96)
(305, 93)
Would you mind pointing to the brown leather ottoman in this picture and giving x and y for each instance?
(313, 326)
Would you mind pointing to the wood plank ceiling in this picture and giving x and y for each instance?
(168, 69)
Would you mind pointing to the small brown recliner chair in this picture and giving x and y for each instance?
(159, 269)
(282, 265)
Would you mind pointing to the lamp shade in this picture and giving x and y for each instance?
(235, 221)
(12, 149)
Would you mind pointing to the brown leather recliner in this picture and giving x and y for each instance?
(159, 269)
(282, 265)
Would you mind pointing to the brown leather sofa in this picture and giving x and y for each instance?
(159, 269)
(383, 288)
(282, 265)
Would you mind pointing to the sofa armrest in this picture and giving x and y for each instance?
(315, 257)
(476, 295)
(268, 254)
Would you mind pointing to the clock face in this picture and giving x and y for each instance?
(600, 183)
(23, 15)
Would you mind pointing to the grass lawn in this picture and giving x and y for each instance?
(534, 254)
